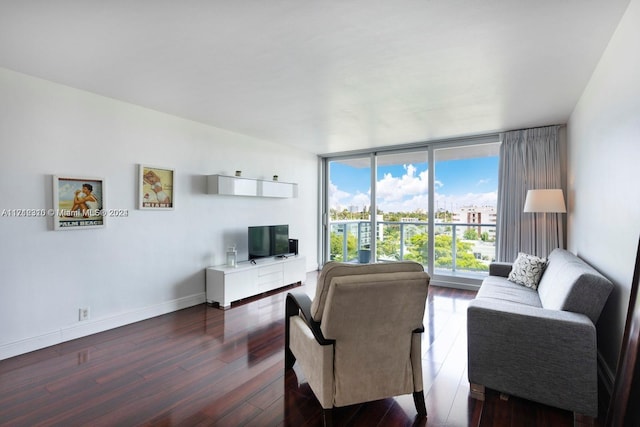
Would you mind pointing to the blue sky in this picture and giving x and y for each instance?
(468, 175)
(404, 187)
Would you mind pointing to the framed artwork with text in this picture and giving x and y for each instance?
(78, 202)
(155, 188)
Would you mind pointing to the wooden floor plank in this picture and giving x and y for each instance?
(206, 366)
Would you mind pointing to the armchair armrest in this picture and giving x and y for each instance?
(501, 269)
(299, 303)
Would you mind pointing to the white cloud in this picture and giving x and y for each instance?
(392, 189)
(338, 197)
(408, 193)
(361, 200)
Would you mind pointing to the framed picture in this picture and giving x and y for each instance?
(78, 202)
(155, 188)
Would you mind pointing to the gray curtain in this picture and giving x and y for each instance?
(529, 159)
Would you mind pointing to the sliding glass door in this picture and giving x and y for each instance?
(434, 204)
(349, 210)
(465, 209)
(402, 206)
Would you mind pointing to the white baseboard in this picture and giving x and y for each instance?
(90, 327)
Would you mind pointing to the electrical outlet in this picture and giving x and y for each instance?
(83, 314)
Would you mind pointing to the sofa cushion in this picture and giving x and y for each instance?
(570, 284)
(501, 289)
(337, 269)
(527, 270)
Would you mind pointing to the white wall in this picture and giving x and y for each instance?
(604, 156)
(150, 262)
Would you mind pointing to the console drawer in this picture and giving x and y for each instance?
(269, 269)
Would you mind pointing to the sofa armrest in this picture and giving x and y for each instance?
(501, 269)
(549, 356)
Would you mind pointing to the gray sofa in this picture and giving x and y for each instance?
(539, 344)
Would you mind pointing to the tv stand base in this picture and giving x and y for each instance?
(226, 284)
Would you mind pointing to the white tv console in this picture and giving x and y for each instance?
(226, 284)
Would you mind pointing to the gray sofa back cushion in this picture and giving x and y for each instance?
(570, 284)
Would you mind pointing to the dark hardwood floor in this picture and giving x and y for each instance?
(205, 366)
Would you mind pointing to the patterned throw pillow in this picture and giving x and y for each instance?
(527, 270)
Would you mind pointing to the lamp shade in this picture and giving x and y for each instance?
(551, 200)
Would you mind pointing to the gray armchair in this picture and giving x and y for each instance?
(360, 338)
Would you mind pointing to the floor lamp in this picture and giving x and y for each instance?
(545, 201)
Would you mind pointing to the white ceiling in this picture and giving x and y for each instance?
(325, 76)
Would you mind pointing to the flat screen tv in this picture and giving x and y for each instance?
(268, 241)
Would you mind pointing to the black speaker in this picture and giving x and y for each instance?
(293, 246)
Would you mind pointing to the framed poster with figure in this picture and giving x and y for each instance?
(156, 188)
(78, 203)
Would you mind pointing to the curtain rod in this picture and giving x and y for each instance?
(481, 138)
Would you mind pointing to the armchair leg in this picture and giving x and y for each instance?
(289, 359)
(418, 399)
(291, 309)
(327, 417)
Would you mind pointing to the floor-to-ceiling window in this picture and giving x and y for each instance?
(402, 206)
(348, 203)
(465, 206)
(435, 204)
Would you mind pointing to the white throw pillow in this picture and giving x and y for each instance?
(527, 270)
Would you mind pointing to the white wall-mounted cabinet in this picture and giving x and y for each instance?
(237, 186)
(232, 186)
(277, 189)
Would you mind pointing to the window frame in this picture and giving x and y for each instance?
(373, 153)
